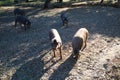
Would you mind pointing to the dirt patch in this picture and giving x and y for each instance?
(26, 55)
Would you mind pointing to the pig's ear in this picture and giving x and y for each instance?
(55, 41)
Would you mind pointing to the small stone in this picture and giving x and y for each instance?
(114, 67)
(100, 51)
(108, 60)
(105, 66)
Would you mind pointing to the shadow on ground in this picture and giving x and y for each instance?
(31, 70)
(63, 70)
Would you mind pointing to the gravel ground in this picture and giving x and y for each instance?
(26, 55)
